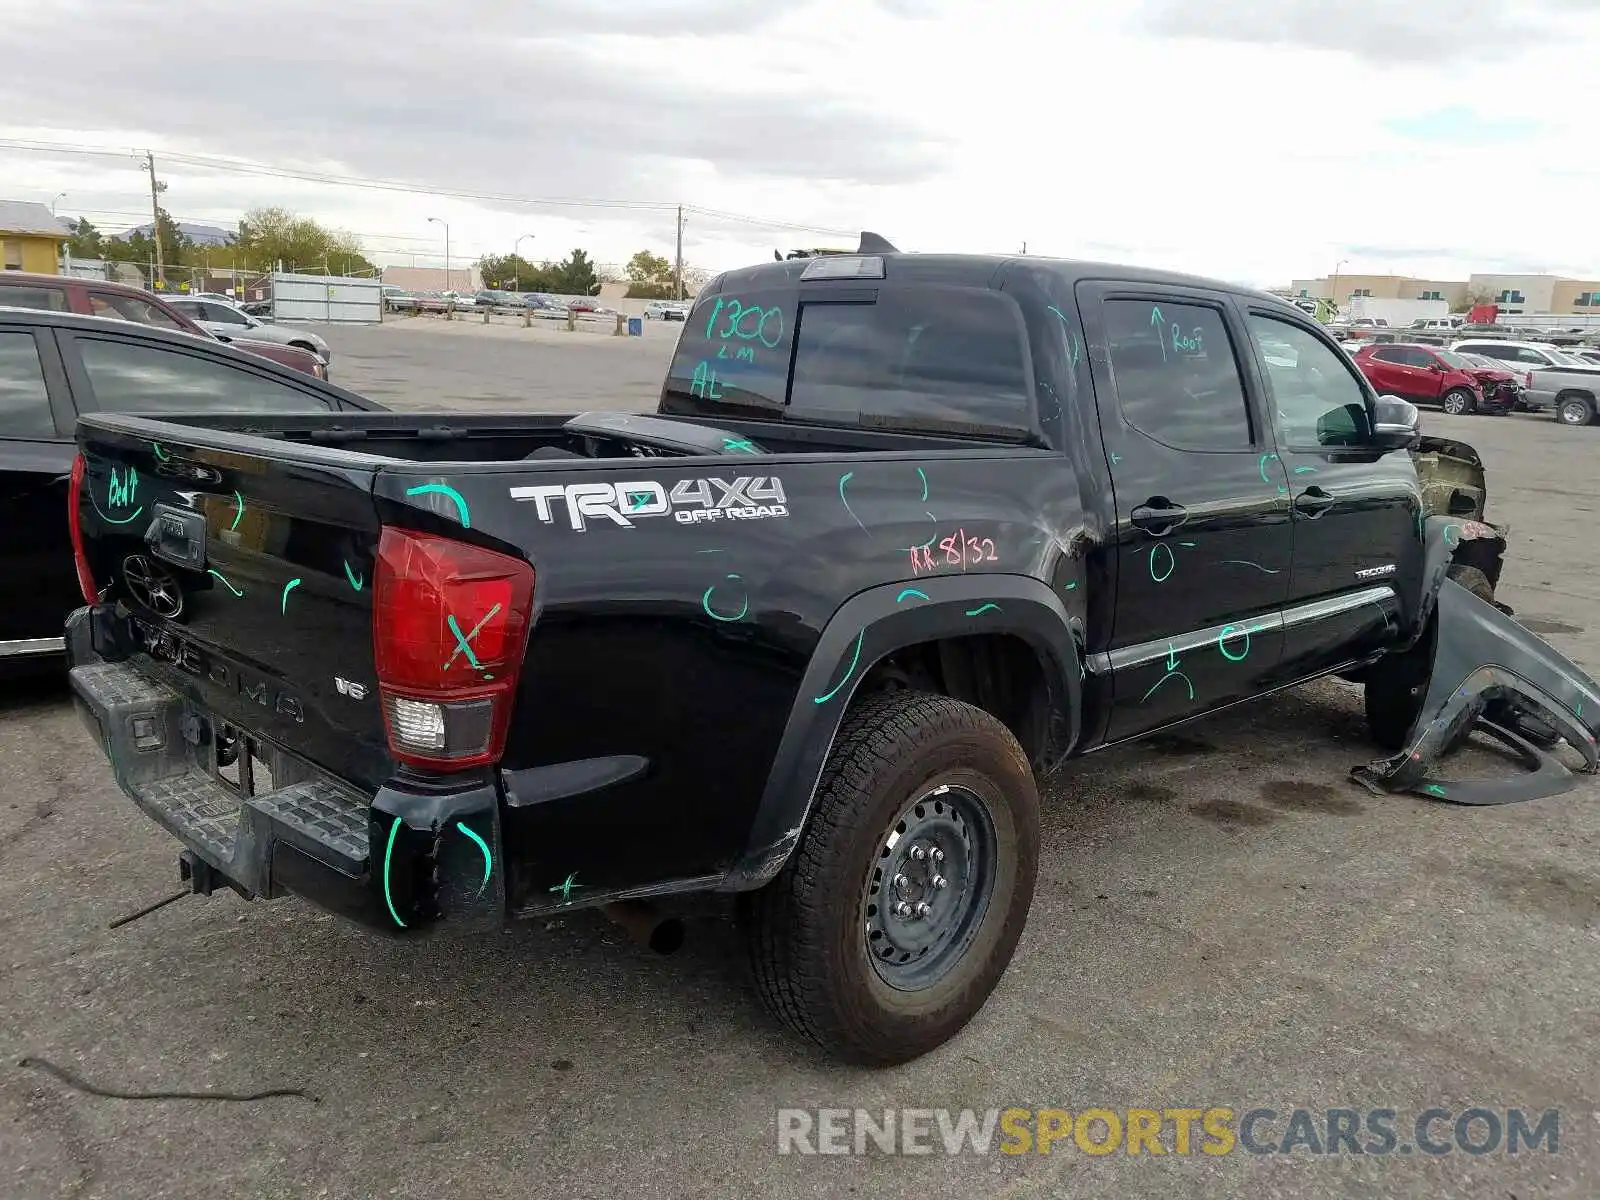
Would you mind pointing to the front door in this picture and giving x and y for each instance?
(1357, 533)
(1202, 537)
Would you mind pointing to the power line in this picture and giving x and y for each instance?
(328, 179)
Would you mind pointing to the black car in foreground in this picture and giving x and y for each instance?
(905, 533)
(56, 366)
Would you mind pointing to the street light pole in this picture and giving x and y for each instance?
(515, 254)
(59, 197)
(1333, 291)
(447, 280)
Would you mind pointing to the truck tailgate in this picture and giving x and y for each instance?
(243, 581)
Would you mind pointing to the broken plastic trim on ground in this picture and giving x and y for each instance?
(1491, 675)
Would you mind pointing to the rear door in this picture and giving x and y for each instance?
(1385, 366)
(1356, 512)
(113, 372)
(1202, 532)
(38, 580)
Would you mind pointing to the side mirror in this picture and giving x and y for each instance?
(1397, 423)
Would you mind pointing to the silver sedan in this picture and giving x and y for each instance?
(225, 320)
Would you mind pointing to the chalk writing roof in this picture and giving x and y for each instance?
(25, 217)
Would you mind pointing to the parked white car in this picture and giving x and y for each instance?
(1525, 356)
(225, 320)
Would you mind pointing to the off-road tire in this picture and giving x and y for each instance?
(1458, 402)
(1473, 579)
(807, 942)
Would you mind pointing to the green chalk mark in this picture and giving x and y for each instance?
(388, 854)
(224, 581)
(848, 671)
(488, 859)
(444, 489)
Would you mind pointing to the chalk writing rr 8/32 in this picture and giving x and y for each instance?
(745, 322)
(959, 550)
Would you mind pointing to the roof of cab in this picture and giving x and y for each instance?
(973, 270)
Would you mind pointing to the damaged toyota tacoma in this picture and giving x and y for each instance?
(906, 532)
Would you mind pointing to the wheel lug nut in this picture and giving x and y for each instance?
(939, 881)
(902, 909)
(901, 881)
(924, 909)
(938, 854)
(918, 853)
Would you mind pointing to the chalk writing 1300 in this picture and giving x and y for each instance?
(958, 550)
(745, 322)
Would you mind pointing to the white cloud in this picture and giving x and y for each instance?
(1251, 143)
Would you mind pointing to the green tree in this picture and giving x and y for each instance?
(269, 236)
(575, 276)
(513, 273)
(649, 277)
(645, 267)
(85, 240)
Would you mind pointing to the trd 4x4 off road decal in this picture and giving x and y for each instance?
(690, 501)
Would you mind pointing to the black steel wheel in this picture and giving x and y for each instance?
(899, 910)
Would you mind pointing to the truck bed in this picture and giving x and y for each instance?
(670, 581)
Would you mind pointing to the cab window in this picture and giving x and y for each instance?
(1316, 395)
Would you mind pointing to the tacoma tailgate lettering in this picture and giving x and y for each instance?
(689, 501)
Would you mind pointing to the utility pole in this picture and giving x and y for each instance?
(156, 188)
(677, 270)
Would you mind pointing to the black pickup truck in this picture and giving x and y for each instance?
(906, 532)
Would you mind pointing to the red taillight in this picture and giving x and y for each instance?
(75, 526)
(449, 625)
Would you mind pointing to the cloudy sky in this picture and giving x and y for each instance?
(1250, 141)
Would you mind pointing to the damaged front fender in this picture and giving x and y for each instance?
(1490, 673)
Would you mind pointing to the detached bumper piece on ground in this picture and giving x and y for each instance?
(1491, 675)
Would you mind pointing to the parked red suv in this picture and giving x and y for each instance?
(1424, 374)
(102, 298)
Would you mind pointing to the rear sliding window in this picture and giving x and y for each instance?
(943, 359)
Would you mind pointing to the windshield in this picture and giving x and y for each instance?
(1458, 362)
(1562, 359)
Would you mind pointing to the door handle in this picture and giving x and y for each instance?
(1313, 502)
(1158, 516)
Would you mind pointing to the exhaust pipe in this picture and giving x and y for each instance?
(646, 925)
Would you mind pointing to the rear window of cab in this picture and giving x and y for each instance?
(933, 358)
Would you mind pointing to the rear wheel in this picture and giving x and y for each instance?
(898, 912)
(1457, 401)
(1575, 410)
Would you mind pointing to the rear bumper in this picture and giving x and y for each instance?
(399, 861)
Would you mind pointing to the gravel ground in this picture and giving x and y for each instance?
(1222, 920)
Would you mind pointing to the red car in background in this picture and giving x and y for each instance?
(1426, 375)
(102, 298)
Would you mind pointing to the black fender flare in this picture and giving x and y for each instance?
(866, 628)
